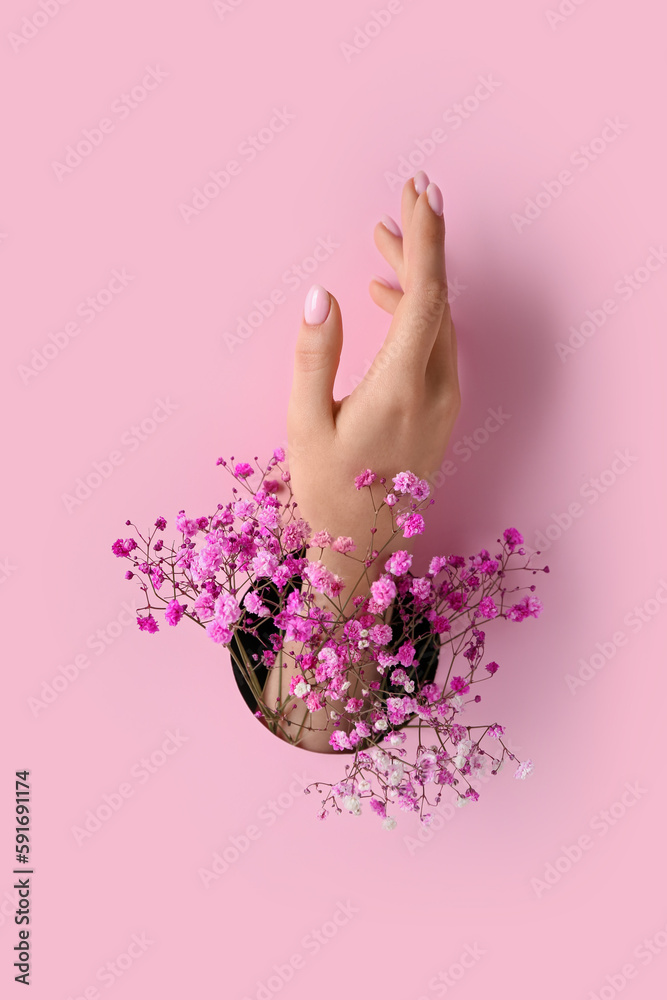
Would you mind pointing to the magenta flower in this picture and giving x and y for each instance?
(123, 548)
(487, 607)
(321, 540)
(343, 544)
(412, 525)
(513, 538)
(383, 591)
(174, 612)
(398, 562)
(147, 624)
(405, 482)
(218, 631)
(364, 479)
(459, 685)
(242, 470)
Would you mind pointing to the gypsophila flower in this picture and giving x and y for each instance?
(243, 470)
(343, 544)
(244, 575)
(364, 479)
(147, 624)
(174, 612)
(383, 591)
(513, 538)
(399, 562)
(412, 525)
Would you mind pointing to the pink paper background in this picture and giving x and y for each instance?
(406, 910)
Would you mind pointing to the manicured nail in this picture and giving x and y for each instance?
(382, 281)
(316, 308)
(434, 195)
(420, 181)
(389, 224)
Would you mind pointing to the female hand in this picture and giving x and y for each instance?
(400, 416)
(402, 413)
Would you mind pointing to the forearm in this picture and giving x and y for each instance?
(312, 730)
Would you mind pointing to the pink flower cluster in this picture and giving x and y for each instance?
(252, 569)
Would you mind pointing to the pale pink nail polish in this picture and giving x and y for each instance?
(434, 195)
(317, 305)
(389, 224)
(383, 281)
(420, 181)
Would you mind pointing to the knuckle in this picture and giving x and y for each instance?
(309, 358)
(433, 293)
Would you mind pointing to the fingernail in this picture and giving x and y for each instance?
(434, 195)
(317, 305)
(383, 281)
(389, 224)
(420, 181)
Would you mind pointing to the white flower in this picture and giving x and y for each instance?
(364, 785)
(409, 686)
(388, 823)
(380, 724)
(524, 769)
(362, 644)
(301, 688)
(459, 761)
(460, 802)
(353, 804)
(396, 776)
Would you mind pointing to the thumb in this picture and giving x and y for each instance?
(316, 358)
